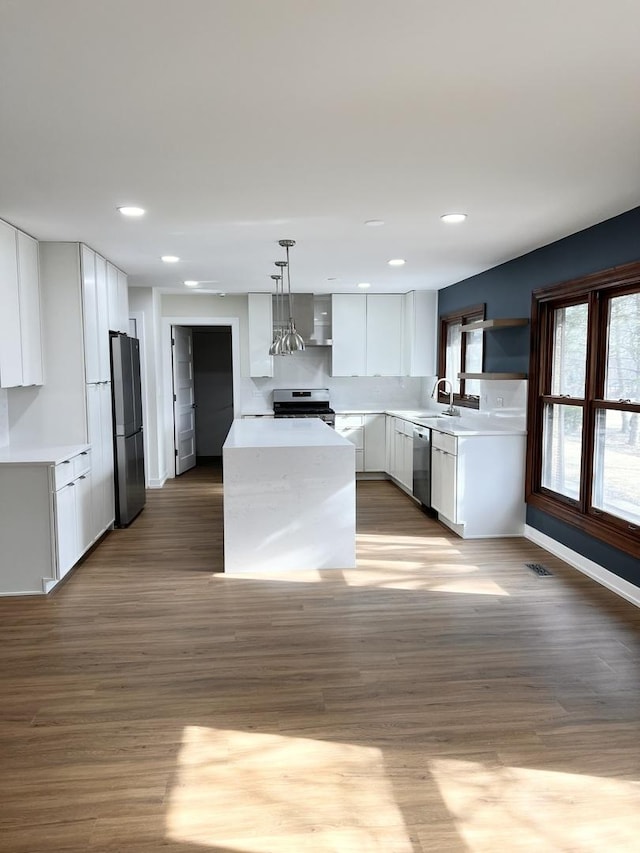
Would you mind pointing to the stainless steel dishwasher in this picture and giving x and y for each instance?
(422, 466)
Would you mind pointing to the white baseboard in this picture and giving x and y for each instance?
(157, 483)
(593, 570)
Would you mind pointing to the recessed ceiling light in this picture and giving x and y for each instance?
(364, 284)
(453, 217)
(170, 259)
(191, 283)
(222, 294)
(396, 262)
(374, 223)
(128, 210)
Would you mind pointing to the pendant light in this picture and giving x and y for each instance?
(283, 343)
(278, 331)
(292, 341)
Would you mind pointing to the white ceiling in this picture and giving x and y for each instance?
(239, 122)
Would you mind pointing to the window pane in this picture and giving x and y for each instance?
(562, 449)
(623, 349)
(569, 350)
(454, 351)
(616, 469)
(473, 361)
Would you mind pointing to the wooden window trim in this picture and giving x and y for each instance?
(596, 290)
(464, 315)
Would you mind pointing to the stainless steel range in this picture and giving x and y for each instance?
(303, 403)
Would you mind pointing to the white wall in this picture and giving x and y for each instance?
(4, 418)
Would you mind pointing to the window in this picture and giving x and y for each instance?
(461, 352)
(584, 409)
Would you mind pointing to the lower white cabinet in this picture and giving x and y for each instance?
(99, 429)
(477, 483)
(444, 478)
(374, 442)
(351, 427)
(402, 463)
(46, 520)
(368, 432)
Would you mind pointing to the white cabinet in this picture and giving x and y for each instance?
(367, 334)
(117, 300)
(367, 431)
(45, 522)
(374, 442)
(402, 470)
(100, 438)
(351, 427)
(95, 316)
(420, 333)
(384, 334)
(10, 340)
(444, 478)
(477, 483)
(30, 323)
(20, 332)
(260, 314)
(349, 331)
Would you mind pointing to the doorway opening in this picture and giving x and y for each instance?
(202, 360)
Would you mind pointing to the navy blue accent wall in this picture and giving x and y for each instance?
(506, 291)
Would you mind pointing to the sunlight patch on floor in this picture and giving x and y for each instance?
(257, 793)
(516, 808)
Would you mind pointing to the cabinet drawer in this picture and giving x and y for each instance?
(64, 473)
(353, 434)
(444, 441)
(349, 421)
(81, 463)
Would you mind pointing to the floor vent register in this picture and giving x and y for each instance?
(539, 569)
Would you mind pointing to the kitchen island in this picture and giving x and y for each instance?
(289, 496)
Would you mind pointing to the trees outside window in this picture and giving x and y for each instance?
(584, 407)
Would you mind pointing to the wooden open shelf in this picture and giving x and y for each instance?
(503, 323)
(492, 376)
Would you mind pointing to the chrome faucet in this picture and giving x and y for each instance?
(451, 410)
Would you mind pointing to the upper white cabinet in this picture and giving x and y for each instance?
(10, 339)
(367, 334)
(20, 333)
(117, 300)
(384, 334)
(260, 313)
(30, 323)
(349, 319)
(420, 332)
(95, 316)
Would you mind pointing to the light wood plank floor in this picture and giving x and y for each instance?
(440, 697)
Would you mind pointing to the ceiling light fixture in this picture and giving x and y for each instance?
(191, 283)
(396, 262)
(170, 259)
(453, 217)
(128, 210)
(374, 223)
(278, 323)
(364, 284)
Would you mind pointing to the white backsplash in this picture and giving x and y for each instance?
(311, 369)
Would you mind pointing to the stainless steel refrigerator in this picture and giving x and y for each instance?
(127, 428)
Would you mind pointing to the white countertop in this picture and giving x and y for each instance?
(282, 432)
(51, 455)
(460, 426)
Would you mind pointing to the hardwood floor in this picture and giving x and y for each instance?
(440, 697)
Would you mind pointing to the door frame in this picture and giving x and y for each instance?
(167, 375)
